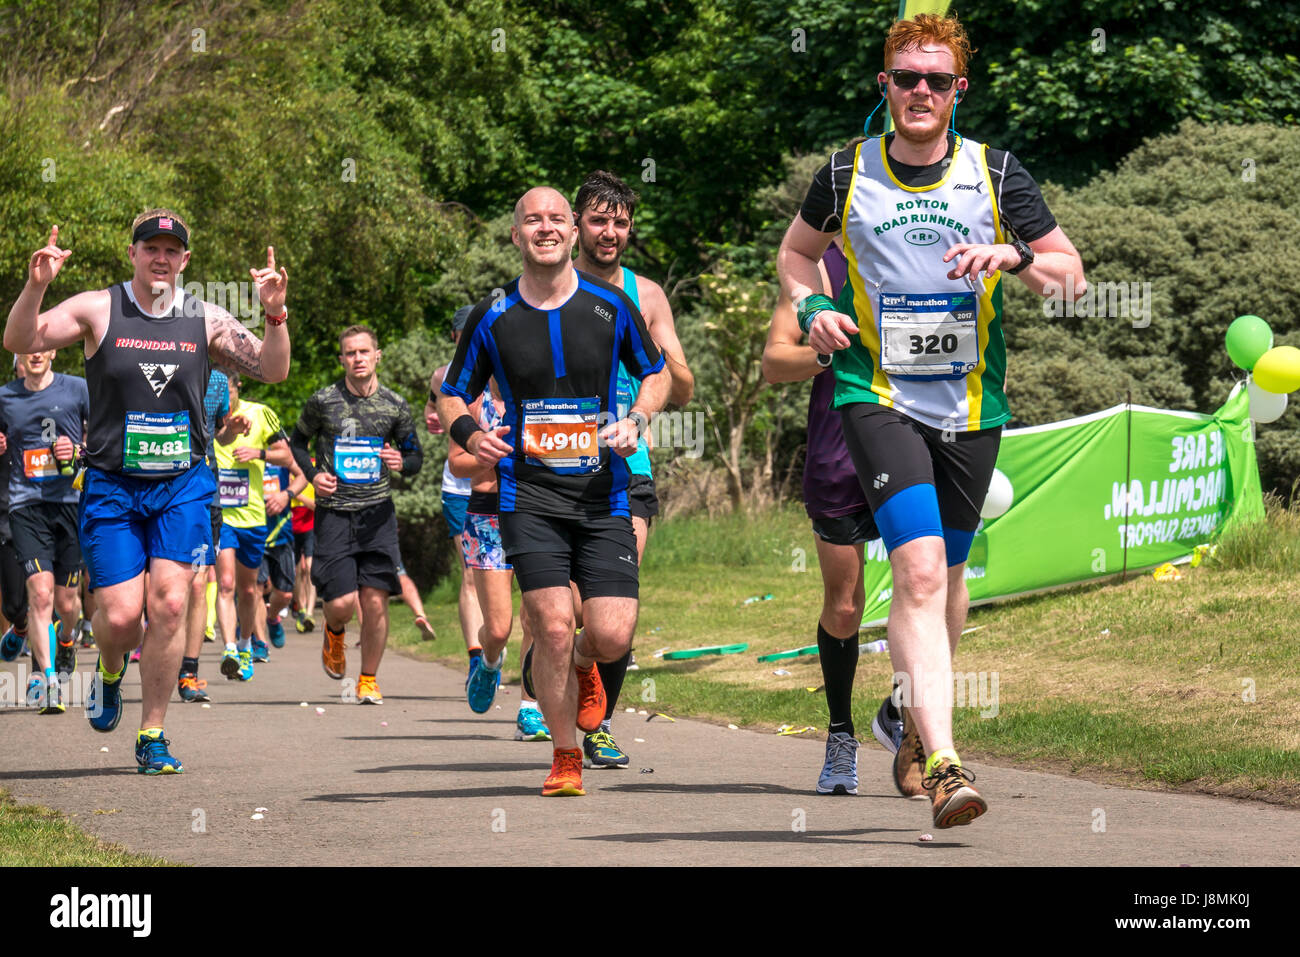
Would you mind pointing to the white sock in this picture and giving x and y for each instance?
(230, 646)
(245, 643)
(494, 666)
(529, 704)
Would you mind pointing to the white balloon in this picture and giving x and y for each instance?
(999, 497)
(1265, 406)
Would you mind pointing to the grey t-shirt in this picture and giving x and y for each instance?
(29, 420)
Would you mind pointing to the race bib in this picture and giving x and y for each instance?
(270, 485)
(356, 461)
(928, 335)
(560, 434)
(155, 442)
(39, 465)
(232, 487)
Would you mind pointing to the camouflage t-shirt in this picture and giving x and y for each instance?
(346, 432)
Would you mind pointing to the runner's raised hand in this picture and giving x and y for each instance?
(47, 261)
(271, 285)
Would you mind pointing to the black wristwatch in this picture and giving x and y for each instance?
(1026, 256)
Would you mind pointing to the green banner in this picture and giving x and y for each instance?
(1124, 489)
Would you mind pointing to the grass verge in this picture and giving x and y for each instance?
(32, 836)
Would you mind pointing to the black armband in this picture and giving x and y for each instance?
(462, 429)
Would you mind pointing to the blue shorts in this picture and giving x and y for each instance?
(248, 543)
(454, 508)
(125, 521)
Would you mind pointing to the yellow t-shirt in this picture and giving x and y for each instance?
(239, 484)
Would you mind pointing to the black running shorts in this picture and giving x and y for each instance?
(356, 549)
(46, 540)
(599, 554)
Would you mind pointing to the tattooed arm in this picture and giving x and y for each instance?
(231, 346)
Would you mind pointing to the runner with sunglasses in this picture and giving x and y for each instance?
(929, 222)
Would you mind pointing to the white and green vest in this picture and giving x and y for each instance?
(929, 346)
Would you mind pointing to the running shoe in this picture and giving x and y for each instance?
(482, 688)
(87, 634)
(566, 774)
(245, 666)
(35, 690)
(333, 655)
(275, 631)
(104, 699)
(474, 662)
(135, 655)
(530, 726)
(953, 800)
(53, 701)
(209, 634)
(840, 772)
(304, 623)
(591, 699)
(230, 663)
(152, 755)
(426, 629)
(601, 751)
(887, 729)
(368, 691)
(526, 674)
(191, 688)
(11, 645)
(259, 651)
(909, 762)
(65, 657)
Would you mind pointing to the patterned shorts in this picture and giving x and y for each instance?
(481, 543)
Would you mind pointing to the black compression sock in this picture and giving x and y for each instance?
(189, 666)
(612, 674)
(839, 660)
(476, 652)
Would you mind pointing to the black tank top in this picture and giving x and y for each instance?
(146, 384)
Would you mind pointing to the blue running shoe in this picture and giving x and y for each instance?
(482, 687)
(104, 699)
(474, 662)
(530, 726)
(245, 666)
(152, 755)
(600, 751)
(887, 728)
(35, 690)
(11, 645)
(275, 631)
(259, 650)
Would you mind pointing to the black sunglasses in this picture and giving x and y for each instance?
(907, 80)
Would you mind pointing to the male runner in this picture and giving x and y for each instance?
(42, 414)
(201, 615)
(485, 559)
(13, 582)
(361, 431)
(250, 438)
(304, 548)
(455, 503)
(605, 207)
(146, 494)
(553, 344)
(842, 524)
(919, 357)
(280, 486)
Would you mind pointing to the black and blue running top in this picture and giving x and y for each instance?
(557, 370)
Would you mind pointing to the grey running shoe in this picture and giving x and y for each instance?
(887, 729)
(840, 773)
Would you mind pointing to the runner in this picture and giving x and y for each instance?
(493, 576)
(280, 486)
(563, 495)
(304, 547)
(146, 494)
(919, 385)
(201, 615)
(842, 524)
(455, 501)
(42, 415)
(13, 583)
(250, 438)
(361, 431)
(605, 207)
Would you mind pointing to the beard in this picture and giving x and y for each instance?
(912, 136)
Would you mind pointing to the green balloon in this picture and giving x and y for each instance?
(1249, 337)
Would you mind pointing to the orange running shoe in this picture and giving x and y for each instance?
(566, 774)
(591, 699)
(953, 801)
(368, 690)
(333, 656)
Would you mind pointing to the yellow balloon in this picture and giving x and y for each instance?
(1278, 370)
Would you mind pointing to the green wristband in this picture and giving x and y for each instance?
(810, 306)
